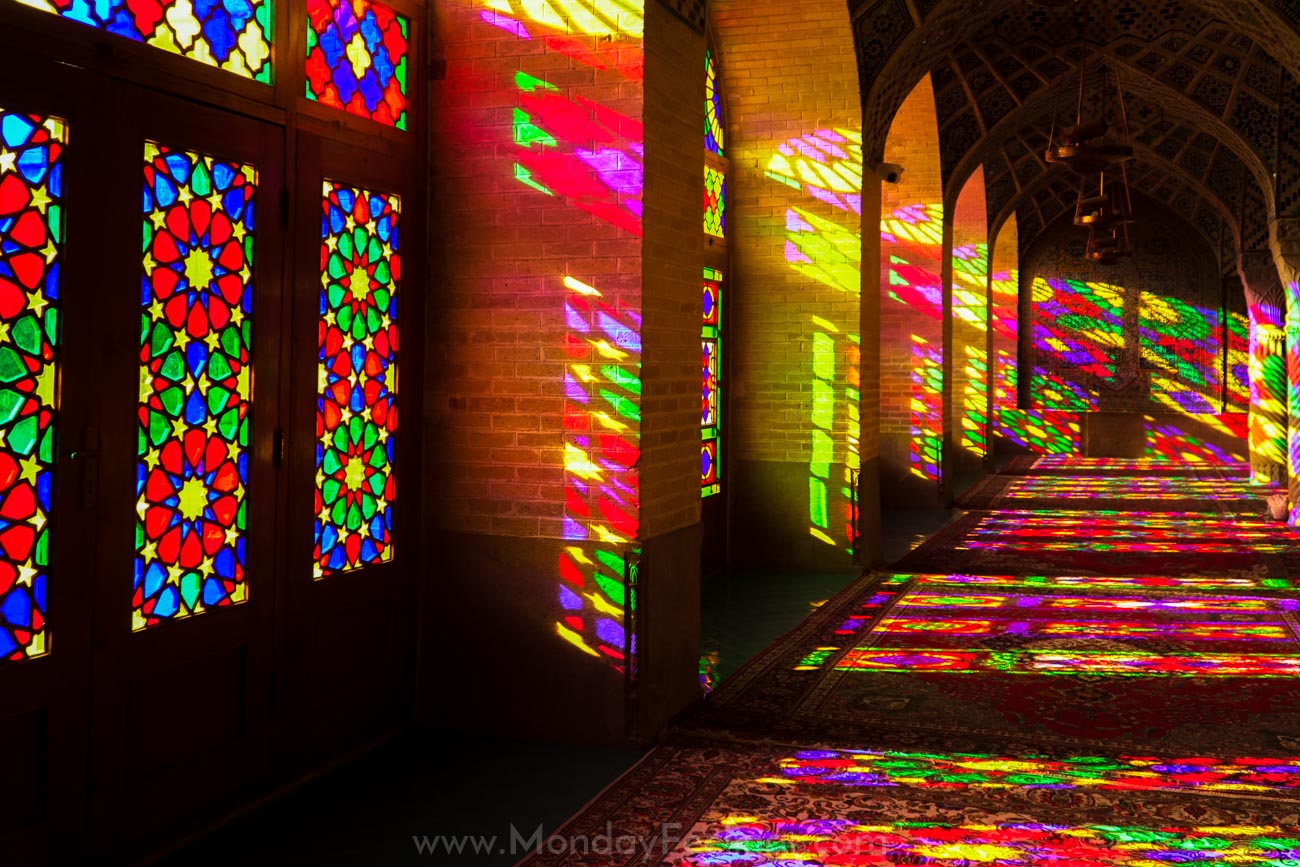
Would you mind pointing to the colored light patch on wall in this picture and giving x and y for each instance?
(602, 415)
(817, 842)
(826, 165)
(356, 58)
(234, 35)
(195, 376)
(970, 270)
(715, 202)
(892, 769)
(587, 154)
(1074, 662)
(356, 408)
(579, 17)
(31, 252)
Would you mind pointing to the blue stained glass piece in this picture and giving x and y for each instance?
(224, 564)
(16, 129)
(17, 608)
(222, 175)
(213, 592)
(196, 410)
(155, 576)
(33, 163)
(220, 33)
(39, 586)
(164, 191)
(168, 603)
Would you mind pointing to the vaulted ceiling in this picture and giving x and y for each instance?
(1210, 91)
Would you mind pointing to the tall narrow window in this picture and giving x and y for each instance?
(31, 244)
(715, 234)
(234, 35)
(195, 379)
(356, 411)
(356, 58)
(711, 414)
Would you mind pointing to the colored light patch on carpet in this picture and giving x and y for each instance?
(1155, 464)
(1042, 661)
(1107, 582)
(1108, 629)
(1101, 603)
(889, 768)
(750, 841)
(1126, 488)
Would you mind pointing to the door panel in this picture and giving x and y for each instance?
(188, 382)
(47, 251)
(347, 632)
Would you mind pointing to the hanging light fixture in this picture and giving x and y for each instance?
(1096, 145)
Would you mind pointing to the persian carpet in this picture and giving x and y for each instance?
(697, 801)
(1072, 542)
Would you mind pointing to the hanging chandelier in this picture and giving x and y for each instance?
(1096, 145)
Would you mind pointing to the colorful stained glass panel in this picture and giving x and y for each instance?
(234, 35)
(31, 245)
(711, 378)
(356, 58)
(714, 139)
(356, 410)
(715, 202)
(195, 385)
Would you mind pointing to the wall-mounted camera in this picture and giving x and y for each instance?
(890, 173)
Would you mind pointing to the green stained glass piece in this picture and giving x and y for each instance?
(190, 584)
(200, 180)
(219, 367)
(45, 451)
(12, 368)
(228, 424)
(173, 367)
(159, 429)
(10, 404)
(217, 400)
(22, 435)
(52, 325)
(173, 401)
(41, 554)
(26, 334)
(383, 276)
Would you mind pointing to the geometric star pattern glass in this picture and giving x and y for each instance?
(356, 412)
(710, 415)
(234, 35)
(31, 244)
(713, 129)
(356, 58)
(715, 202)
(195, 385)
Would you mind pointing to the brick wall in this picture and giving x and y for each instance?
(672, 269)
(792, 100)
(501, 249)
(911, 309)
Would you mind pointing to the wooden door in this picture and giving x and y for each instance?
(48, 180)
(188, 341)
(347, 624)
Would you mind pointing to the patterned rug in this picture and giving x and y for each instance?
(697, 801)
(1099, 483)
(1065, 687)
(1031, 664)
(1057, 465)
(1075, 542)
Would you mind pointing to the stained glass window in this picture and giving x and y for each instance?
(711, 379)
(713, 130)
(31, 242)
(356, 411)
(195, 385)
(234, 35)
(715, 202)
(356, 58)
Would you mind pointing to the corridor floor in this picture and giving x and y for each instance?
(1041, 682)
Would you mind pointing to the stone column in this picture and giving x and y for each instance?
(1266, 303)
(1285, 240)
